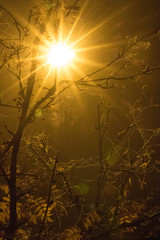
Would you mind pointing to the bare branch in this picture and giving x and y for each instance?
(155, 31)
(48, 197)
(7, 105)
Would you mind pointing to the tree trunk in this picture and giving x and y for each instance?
(13, 192)
(11, 230)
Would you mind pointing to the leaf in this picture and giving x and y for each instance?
(144, 165)
(60, 169)
(130, 181)
(33, 219)
(96, 217)
(40, 212)
(121, 220)
(50, 208)
(127, 221)
(49, 219)
(6, 199)
(4, 188)
(85, 226)
(125, 193)
(37, 209)
(3, 205)
(69, 231)
(88, 222)
(19, 215)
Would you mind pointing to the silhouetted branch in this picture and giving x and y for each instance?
(4, 174)
(72, 7)
(48, 198)
(17, 24)
(138, 224)
(100, 140)
(155, 31)
(7, 105)
(147, 70)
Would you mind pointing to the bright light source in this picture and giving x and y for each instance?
(59, 55)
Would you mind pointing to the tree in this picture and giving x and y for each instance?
(29, 210)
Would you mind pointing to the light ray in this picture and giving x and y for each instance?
(88, 62)
(77, 70)
(100, 24)
(23, 79)
(94, 47)
(74, 25)
(43, 83)
(74, 87)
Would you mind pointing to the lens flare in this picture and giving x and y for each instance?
(59, 55)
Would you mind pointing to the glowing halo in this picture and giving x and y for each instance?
(59, 55)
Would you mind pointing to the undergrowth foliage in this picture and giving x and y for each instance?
(43, 200)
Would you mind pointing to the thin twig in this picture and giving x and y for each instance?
(48, 198)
